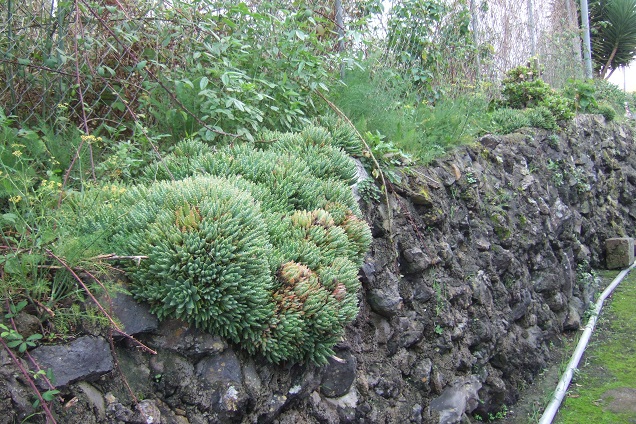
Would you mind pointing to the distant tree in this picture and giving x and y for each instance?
(613, 27)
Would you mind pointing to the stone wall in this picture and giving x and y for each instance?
(472, 278)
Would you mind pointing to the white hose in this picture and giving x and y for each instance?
(562, 387)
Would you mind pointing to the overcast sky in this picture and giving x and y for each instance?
(629, 76)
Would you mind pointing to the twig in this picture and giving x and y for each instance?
(80, 94)
(43, 306)
(78, 81)
(342, 115)
(434, 183)
(39, 67)
(33, 361)
(99, 306)
(130, 390)
(114, 257)
(49, 416)
(111, 342)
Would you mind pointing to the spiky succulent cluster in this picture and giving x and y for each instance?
(259, 244)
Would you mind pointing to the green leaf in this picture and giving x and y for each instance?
(45, 237)
(49, 395)
(14, 343)
(34, 337)
(118, 105)
(203, 83)
(17, 308)
(13, 265)
(10, 218)
(101, 70)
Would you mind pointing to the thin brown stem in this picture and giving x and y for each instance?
(114, 257)
(99, 305)
(33, 361)
(49, 415)
(125, 380)
(343, 116)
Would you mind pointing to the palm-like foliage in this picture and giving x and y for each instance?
(613, 24)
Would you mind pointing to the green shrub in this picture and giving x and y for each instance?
(261, 245)
(208, 255)
(583, 93)
(561, 107)
(523, 94)
(541, 117)
(507, 120)
(523, 88)
(606, 110)
(383, 106)
(378, 103)
(451, 122)
(610, 93)
(225, 86)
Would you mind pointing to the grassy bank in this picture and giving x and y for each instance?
(604, 388)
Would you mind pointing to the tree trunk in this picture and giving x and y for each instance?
(609, 62)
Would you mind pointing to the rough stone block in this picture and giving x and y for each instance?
(620, 252)
(135, 317)
(84, 358)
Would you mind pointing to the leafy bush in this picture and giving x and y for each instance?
(524, 94)
(523, 88)
(541, 117)
(606, 110)
(375, 107)
(383, 108)
(507, 120)
(611, 94)
(583, 93)
(451, 122)
(258, 245)
(226, 87)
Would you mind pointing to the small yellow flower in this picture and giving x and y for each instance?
(15, 199)
(17, 153)
(88, 138)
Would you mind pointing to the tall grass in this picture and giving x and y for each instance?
(385, 103)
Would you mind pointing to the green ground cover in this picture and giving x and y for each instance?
(604, 388)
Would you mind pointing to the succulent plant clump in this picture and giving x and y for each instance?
(258, 244)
